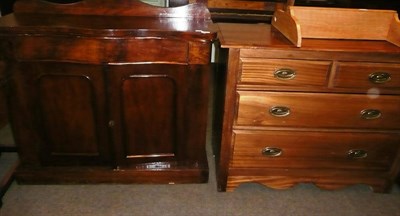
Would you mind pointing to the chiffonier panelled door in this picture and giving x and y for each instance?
(148, 109)
(145, 112)
(68, 115)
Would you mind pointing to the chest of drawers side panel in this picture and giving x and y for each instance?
(228, 113)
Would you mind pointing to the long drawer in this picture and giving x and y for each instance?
(90, 50)
(318, 110)
(308, 150)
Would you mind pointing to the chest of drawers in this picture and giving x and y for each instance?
(326, 113)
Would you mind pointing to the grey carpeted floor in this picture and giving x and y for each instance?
(191, 199)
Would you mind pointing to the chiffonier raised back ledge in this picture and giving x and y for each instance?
(113, 8)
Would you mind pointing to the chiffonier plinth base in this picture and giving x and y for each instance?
(102, 175)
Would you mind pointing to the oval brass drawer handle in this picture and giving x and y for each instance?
(279, 111)
(285, 74)
(379, 77)
(357, 153)
(271, 152)
(370, 114)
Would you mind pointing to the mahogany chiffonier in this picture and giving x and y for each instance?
(5, 7)
(108, 91)
(3, 112)
(326, 113)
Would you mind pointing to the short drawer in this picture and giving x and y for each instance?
(367, 75)
(318, 110)
(99, 50)
(308, 150)
(284, 72)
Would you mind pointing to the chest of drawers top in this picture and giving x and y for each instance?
(267, 60)
(253, 39)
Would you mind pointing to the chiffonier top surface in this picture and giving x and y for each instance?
(106, 19)
(261, 36)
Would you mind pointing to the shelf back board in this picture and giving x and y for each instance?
(337, 23)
